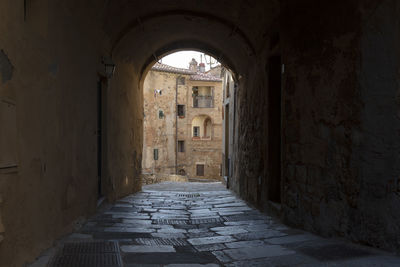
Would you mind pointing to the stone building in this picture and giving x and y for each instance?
(216, 71)
(182, 122)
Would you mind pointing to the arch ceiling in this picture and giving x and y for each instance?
(141, 32)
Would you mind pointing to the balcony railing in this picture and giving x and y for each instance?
(202, 101)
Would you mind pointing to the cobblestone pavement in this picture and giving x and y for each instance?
(199, 224)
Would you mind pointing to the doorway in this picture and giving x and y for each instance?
(274, 129)
(101, 86)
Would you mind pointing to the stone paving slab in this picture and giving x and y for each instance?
(211, 240)
(245, 244)
(258, 252)
(203, 224)
(291, 239)
(147, 249)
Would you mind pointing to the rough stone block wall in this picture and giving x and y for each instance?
(375, 153)
(159, 133)
(321, 114)
(339, 149)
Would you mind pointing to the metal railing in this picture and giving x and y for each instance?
(202, 101)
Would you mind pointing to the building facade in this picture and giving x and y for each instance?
(182, 122)
(228, 121)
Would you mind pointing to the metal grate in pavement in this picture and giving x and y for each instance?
(87, 260)
(88, 254)
(90, 247)
(170, 221)
(207, 220)
(189, 195)
(161, 241)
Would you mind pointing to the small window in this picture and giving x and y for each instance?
(181, 172)
(196, 131)
(160, 114)
(181, 110)
(155, 151)
(181, 146)
(200, 170)
(195, 91)
(181, 81)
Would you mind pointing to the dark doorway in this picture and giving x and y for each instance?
(274, 129)
(199, 170)
(100, 137)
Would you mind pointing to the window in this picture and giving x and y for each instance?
(155, 152)
(181, 81)
(202, 96)
(181, 172)
(181, 146)
(200, 170)
(160, 114)
(181, 110)
(196, 131)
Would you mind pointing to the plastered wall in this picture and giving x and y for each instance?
(50, 63)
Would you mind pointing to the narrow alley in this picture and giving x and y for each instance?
(199, 224)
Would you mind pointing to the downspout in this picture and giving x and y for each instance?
(176, 125)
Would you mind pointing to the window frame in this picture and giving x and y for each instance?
(181, 111)
(197, 169)
(196, 131)
(181, 146)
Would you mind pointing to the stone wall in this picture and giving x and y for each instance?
(50, 65)
(321, 118)
(375, 216)
(124, 132)
(52, 82)
(339, 89)
(159, 178)
(159, 133)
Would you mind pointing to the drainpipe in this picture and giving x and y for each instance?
(176, 125)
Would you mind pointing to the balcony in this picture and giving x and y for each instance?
(203, 101)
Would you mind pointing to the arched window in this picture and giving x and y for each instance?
(201, 127)
(181, 172)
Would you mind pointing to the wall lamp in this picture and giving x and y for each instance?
(109, 66)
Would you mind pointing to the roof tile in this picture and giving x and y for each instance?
(194, 76)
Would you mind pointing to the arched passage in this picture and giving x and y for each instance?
(338, 93)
